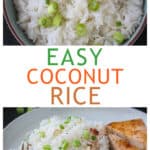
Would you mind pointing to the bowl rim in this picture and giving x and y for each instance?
(139, 29)
(10, 26)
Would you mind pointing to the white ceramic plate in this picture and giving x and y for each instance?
(16, 130)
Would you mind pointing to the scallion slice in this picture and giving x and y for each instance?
(57, 20)
(81, 29)
(118, 37)
(67, 120)
(76, 143)
(61, 126)
(64, 145)
(47, 2)
(53, 8)
(20, 110)
(47, 147)
(93, 5)
(118, 23)
(93, 138)
(45, 21)
(86, 134)
(42, 134)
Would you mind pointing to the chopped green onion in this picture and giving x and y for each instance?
(53, 8)
(45, 21)
(47, 147)
(118, 23)
(93, 138)
(61, 126)
(93, 5)
(57, 20)
(118, 37)
(47, 2)
(64, 145)
(29, 109)
(67, 120)
(86, 134)
(42, 134)
(81, 29)
(20, 110)
(76, 143)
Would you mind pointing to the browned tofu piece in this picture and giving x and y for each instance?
(133, 131)
(118, 143)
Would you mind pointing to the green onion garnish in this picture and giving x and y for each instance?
(76, 143)
(57, 20)
(45, 21)
(53, 8)
(61, 126)
(93, 138)
(118, 23)
(86, 134)
(47, 147)
(118, 37)
(42, 134)
(20, 110)
(67, 120)
(64, 145)
(81, 29)
(93, 5)
(47, 2)
(29, 109)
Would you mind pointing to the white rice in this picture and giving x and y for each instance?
(54, 135)
(101, 24)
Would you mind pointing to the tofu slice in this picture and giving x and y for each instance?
(133, 131)
(118, 143)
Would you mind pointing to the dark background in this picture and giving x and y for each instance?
(10, 40)
(9, 114)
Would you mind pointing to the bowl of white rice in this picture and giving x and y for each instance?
(72, 22)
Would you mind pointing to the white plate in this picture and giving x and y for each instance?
(16, 130)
